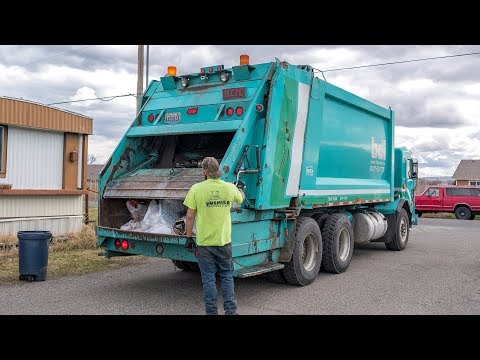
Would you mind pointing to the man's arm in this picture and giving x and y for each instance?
(189, 219)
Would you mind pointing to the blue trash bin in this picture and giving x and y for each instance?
(33, 254)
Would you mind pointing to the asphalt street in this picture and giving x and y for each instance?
(438, 273)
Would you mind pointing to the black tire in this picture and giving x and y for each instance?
(276, 277)
(181, 264)
(473, 216)
(337, 238)
(419, 213)
(304, 266)
(320, 219)
(30, 278)
(463, 213)
(401, 232)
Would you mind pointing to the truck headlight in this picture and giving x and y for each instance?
(224, 76)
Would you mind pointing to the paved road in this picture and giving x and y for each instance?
(438, 273)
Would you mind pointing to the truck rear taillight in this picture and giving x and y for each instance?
(151, 118)
(117, 243)
(124, 244)
(229, 112)
(259, 107)
(192, 111)
(239, 111)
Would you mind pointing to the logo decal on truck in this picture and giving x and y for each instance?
(379, 150)
(379, 155)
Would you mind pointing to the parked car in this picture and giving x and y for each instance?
(462, 201)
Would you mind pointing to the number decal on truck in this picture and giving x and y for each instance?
(233, 93)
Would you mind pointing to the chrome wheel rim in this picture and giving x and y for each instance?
(344, 244)
(403, 230)
(309, 252)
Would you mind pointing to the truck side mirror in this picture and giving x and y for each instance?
(414, 175)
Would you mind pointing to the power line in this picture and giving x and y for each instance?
(105, 98)
(52, 57)
(396, 62)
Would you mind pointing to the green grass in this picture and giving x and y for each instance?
(75, 256)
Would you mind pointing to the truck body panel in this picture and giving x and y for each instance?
(303, 147)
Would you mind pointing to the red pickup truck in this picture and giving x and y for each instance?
(463, 201)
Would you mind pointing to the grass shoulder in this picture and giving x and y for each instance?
(72, 254)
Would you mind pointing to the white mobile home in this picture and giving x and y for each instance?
(43, 157)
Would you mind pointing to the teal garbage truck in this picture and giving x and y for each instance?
(319, 165)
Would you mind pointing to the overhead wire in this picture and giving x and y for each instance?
(61, 54)
(104, 98)
(393, 63)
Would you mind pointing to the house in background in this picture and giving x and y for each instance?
(43, 158)
(467, 173)
(92, 183)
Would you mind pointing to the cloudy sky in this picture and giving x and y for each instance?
(436, 102)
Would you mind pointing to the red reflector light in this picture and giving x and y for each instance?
(132, 245)
(192, 111)
(239, 111)
(150, 118)
(210, 69)
(203, 71)
(219, 68)
(117, 243)
(229, 111)
(124, 244)
(259, 107)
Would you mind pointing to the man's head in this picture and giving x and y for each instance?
(211, 168)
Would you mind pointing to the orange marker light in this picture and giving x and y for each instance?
(244, 59)
(172, 70)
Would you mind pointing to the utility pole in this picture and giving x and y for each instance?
(140, 78)
(146, 72)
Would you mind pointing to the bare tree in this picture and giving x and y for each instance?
(91, 159)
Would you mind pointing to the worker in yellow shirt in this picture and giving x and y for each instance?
(209, 202)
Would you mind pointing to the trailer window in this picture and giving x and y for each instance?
(3, 151)
(475, 183)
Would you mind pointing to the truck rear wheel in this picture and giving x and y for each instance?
(463, 213)
(337, 237)
(401, 232)
(304, 266)
(320, 219)
(186, 265)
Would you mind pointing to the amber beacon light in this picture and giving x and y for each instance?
(172, 70)
(244, 59)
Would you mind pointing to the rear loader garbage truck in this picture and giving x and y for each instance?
(319, 165)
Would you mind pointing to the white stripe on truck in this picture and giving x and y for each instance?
(298, 139)
(344, 192)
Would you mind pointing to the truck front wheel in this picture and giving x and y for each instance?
(304, 266)
(463, 213)
(337, 237)
(402, 229)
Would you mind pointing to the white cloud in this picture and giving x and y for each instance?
(436, 102)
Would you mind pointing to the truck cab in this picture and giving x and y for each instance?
(462, 201)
